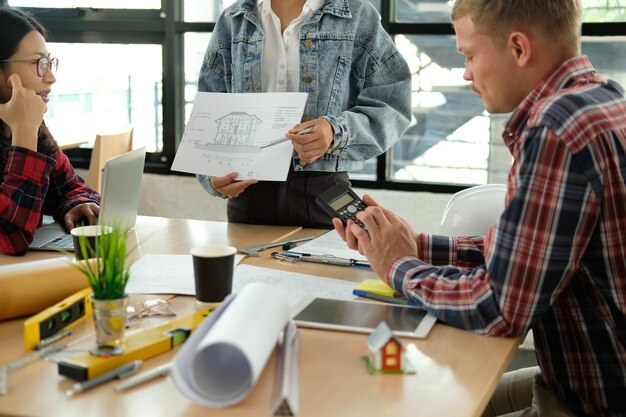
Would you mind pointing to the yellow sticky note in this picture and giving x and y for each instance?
(375, 286)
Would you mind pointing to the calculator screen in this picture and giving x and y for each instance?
(341, 201)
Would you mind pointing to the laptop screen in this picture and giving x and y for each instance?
(121, 187)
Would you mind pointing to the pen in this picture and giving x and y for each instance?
(327, 259)
(54, 338)
(284, 139)
(282, 257)
(33, 357)
(384, 298)
(22, 362)
(120, 372)
(161, 370)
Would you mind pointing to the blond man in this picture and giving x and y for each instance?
(554, 261)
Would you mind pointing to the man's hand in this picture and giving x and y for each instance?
(228, 186)
(345, 231)
(83, 212)
(23, 113)
(387, 239)
(311, 146)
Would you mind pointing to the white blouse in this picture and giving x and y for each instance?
(280, 64)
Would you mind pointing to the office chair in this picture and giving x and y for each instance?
(105, 148)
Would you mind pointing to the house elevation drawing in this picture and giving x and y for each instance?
(225, 132)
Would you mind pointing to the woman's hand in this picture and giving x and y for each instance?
(311, 146)
(23, 114)
(86, 212)
(228, 186)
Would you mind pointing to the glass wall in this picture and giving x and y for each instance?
(452, 139)
(140, 67)
(94, 94)
(103, 4)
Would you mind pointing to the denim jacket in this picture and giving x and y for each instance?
(349, 66)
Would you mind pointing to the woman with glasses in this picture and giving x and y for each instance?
(36, 178)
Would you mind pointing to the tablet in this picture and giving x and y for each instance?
(362, 316)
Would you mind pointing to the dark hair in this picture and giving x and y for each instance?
(14, 26)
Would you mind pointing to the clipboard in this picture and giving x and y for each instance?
(327, 248)
(328, 259)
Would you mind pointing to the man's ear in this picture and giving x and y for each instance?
(520, 47)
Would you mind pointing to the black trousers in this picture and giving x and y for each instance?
(289, 203)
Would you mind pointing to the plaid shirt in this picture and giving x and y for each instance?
(35, 184)
(555, 261)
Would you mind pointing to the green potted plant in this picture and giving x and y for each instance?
(104, 249)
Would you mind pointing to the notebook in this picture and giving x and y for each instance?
(121, 185)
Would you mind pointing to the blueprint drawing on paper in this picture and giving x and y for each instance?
(225, 131)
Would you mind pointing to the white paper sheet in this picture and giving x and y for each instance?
(222, 360)
(329, 244)
(225, 131)
(173, 274)
(164, 274)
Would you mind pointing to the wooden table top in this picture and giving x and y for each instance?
(456, 374)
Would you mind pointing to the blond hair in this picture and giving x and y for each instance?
(560, 20)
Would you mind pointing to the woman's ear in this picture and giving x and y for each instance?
(520, 47)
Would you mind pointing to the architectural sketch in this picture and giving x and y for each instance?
(235, 133)
(225, 132)
(236, 129)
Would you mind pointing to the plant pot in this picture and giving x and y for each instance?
(109, 317)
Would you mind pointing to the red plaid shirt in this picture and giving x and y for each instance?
(555, 261)
(35, 184)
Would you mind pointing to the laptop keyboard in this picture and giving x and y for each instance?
(61, 242)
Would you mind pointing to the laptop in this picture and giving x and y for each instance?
(121, 186)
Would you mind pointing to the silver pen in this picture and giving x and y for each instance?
(327, 259)
(22, 362)
(153, 373)
(284, 139)
(120, 372)
(54, 338)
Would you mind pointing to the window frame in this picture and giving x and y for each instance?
(167, 28)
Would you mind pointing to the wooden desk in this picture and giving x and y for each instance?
(456, 374)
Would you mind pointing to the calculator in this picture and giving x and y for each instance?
(340, 201)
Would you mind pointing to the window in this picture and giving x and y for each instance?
(137, 62)
(109, 4)
(391, 362)
(452, 141)
(391, 348)
(98, 95)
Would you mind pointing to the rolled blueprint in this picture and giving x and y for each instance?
(222, 360)
(30, 287)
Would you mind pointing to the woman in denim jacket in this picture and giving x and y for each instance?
(359, 96)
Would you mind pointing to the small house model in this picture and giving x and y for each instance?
(385, 349)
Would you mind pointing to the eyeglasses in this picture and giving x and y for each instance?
(44, 64)
(150, 308)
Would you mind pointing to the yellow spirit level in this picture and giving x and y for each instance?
(61, 316)
(146, 344)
